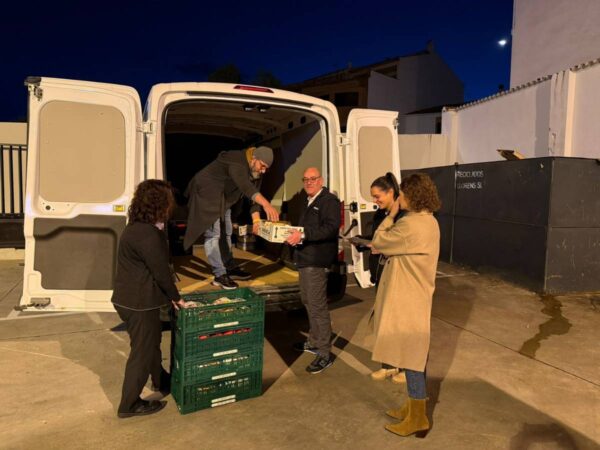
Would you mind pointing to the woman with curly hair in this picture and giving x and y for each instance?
(143, 284)
(402, 311)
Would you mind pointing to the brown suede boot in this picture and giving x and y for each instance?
(399, 413)
(415, 422)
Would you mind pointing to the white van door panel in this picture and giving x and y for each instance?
(372, 150)
(84, 161)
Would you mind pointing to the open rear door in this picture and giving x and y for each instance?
(372, 150)
(84, 161)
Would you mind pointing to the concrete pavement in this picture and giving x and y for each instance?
(508, 369)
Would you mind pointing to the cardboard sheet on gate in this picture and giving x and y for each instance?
(276, 231)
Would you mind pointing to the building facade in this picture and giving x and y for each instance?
(407, 84)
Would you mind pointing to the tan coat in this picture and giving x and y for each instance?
(402, 312)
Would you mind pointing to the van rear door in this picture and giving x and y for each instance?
(372, 150)
(84, 160)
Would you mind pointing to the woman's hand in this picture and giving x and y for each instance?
(373, 250)
(179, 304)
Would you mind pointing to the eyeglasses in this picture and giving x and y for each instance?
(310, 180)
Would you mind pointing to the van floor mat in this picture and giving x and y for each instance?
(195, 273)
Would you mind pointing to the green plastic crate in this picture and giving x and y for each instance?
(211, 342)
(194, 397)
(252, 309)
(209, 368)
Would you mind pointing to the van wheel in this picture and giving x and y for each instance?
(336, 286)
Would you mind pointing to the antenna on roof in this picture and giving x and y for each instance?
(429, 46)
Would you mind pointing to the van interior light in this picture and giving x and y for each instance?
(252, 88)
(253, 107)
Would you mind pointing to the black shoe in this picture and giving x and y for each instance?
(143, 408)
(238, 274)
(319, 364)
(225, 282)
(304, 347)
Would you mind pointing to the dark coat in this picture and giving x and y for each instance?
(215, 189)
(321, 222)
(376, 261)
(143, 280)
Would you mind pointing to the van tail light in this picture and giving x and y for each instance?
(244, 87)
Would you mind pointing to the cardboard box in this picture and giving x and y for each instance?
(276, 231)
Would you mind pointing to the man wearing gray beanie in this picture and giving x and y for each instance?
(211, 194)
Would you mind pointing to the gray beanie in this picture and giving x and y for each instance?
(264, 154)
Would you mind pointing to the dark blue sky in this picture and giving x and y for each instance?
(143, 43)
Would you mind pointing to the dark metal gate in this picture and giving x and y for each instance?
(537, 219)
(13, 169)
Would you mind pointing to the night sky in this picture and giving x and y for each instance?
(143, 43)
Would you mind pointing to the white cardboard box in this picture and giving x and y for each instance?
(276, 231)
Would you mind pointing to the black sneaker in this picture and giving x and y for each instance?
(304, 347)
(225, 282)
(319, 364)
(238, 274)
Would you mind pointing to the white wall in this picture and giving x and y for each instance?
(386, 93)
(418, 151)
(558, 116)
(552, 35)
(418, 123)
(431, 81)
(586, 114)
(13, 133)
(423, 81)
(516, 121)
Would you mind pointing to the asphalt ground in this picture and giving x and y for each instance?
(508, 369)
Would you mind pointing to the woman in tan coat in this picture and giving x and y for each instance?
(402, 311)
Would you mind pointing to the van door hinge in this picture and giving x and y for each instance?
(147, 127)
(37, 91)
(343, 140)
(396, 123)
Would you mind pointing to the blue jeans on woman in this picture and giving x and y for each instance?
(415, 384)
(212, 237)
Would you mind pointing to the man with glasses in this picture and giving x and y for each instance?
(315, 250)
(211, 194)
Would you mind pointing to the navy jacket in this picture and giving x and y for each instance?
(321, 222)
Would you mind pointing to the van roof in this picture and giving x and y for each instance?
(237, 90)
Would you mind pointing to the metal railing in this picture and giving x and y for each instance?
(13, 166)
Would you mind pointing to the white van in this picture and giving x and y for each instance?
(89, 146)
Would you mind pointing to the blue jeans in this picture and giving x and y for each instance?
(415, 383)
(219, 261)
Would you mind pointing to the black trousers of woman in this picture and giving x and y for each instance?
(145, 359)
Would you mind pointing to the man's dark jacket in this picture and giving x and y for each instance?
(215, 189)
(143, 280)
(321, 222)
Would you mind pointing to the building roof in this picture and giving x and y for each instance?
(353, 72)
(435, 109)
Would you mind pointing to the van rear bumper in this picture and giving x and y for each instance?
(286, 297)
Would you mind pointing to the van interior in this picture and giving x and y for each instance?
(196, 131)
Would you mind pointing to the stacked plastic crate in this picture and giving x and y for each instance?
(218, 349)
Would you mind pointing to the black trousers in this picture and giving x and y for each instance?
(145, 359)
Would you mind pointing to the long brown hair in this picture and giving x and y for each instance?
(153, 202)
